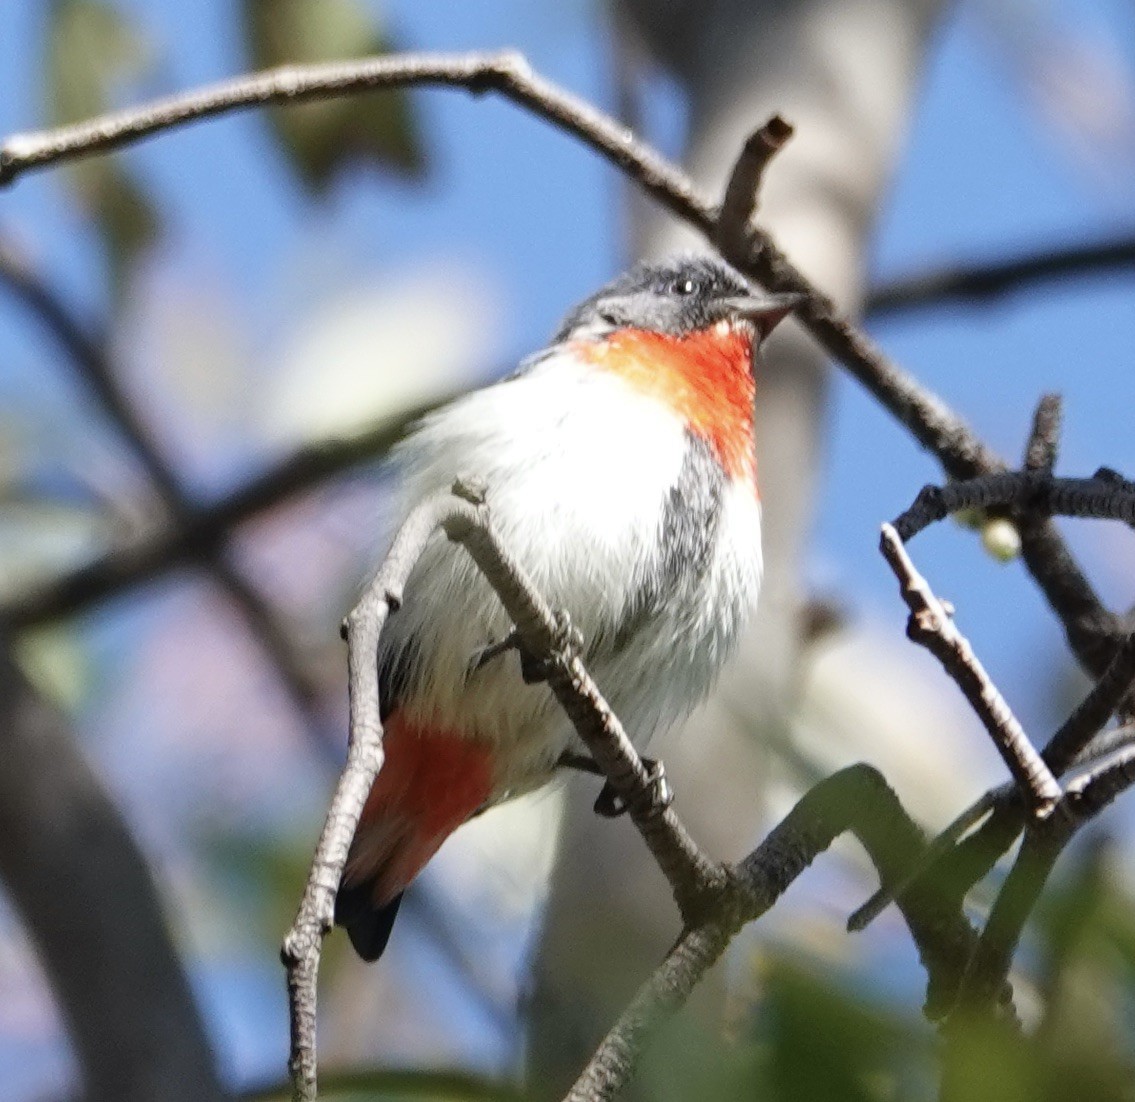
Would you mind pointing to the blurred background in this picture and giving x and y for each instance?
(180, 319)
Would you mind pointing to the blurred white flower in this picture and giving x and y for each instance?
(382, 348)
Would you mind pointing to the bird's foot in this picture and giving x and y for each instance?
(484, 655)
(657, 796)
(566, 644)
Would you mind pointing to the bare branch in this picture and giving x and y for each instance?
(659, 998)
(856, 800)
(986, 283)
(1104, 496)
(939, 846)
(1044, 440)
(506, 73)
(932, 627)
(1090, 794)
(743, 190)
(1077, 731)
(986, 978)
(303, 943)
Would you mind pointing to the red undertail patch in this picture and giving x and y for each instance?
(431, 782)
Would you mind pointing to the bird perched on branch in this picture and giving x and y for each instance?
(620, 472)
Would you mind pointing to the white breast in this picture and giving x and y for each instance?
(578, 467)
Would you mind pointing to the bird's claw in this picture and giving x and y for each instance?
(567, 642)
(484, 655)
(657, 796)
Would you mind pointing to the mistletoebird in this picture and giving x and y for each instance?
(620, 471)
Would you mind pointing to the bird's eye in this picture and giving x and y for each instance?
(685, 286)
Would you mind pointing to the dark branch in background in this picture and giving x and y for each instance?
(978, 284)
(208, 526)
(88, 357)
(87, 900)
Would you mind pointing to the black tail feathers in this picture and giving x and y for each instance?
(367, 926)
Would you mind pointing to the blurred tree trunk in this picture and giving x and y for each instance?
(844, 73)
(89, 904)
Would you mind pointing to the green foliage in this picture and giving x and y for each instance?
(320, 138)
(400, 1086)
(810, 1034)
(91, 50)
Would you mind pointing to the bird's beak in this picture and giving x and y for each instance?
(765, 312)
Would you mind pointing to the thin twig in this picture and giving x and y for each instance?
(1093, 712)
(988, 282)
(506, 73)
(1090, 794)
(743, 190)
(941, 844)
(1104, 745)
(1044, 439)
(303, 943)
(932, 627)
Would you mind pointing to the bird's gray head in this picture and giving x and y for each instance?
(677, 297)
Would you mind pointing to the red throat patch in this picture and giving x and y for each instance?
(705, 377)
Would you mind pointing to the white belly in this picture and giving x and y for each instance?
(578, 469)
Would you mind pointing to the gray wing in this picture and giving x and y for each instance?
(687, 531)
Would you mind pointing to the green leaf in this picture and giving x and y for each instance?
(823, 1041)
(91, 52)
(321, 138)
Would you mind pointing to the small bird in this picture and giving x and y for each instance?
(620, 470)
